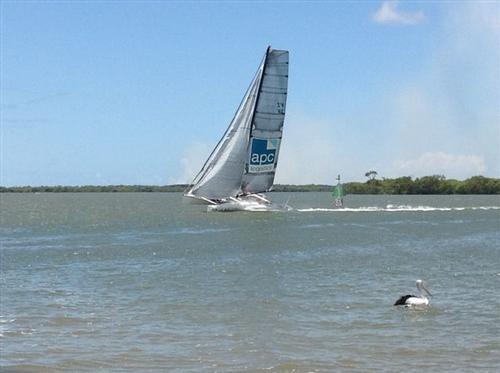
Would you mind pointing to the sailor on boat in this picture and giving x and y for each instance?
(414, 300)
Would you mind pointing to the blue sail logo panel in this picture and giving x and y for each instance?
(263, 155)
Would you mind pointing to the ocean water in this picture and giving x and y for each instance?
(147, 283)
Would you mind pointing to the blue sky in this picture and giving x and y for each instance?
(139, 92)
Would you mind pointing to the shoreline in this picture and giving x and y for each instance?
(406, 185)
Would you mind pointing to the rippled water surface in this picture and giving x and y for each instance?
(146, 283)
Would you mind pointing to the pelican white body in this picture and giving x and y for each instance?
(417, 301)
(414, 300)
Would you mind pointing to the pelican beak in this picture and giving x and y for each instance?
(427, 291)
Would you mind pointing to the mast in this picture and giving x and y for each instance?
(258, 93)
(255, 110)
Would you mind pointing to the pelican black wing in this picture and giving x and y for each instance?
(402, 301)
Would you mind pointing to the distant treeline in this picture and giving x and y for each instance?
(402, 185)
(94, 189)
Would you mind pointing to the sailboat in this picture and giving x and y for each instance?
(243, 164)
(338, 194)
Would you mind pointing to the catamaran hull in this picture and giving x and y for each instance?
(240, 206)
(197, 200)
(255, 203)
(193, 201)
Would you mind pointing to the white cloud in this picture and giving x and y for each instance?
(422, 119)
(191, 162)
(444, 119)
(441, 163)
(311, 152)
(389, 13)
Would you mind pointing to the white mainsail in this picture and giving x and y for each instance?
(244, 161)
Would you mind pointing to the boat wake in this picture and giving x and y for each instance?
(397, 208)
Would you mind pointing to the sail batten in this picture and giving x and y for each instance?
(244, 161)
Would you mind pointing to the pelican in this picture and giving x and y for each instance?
(413, 300)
